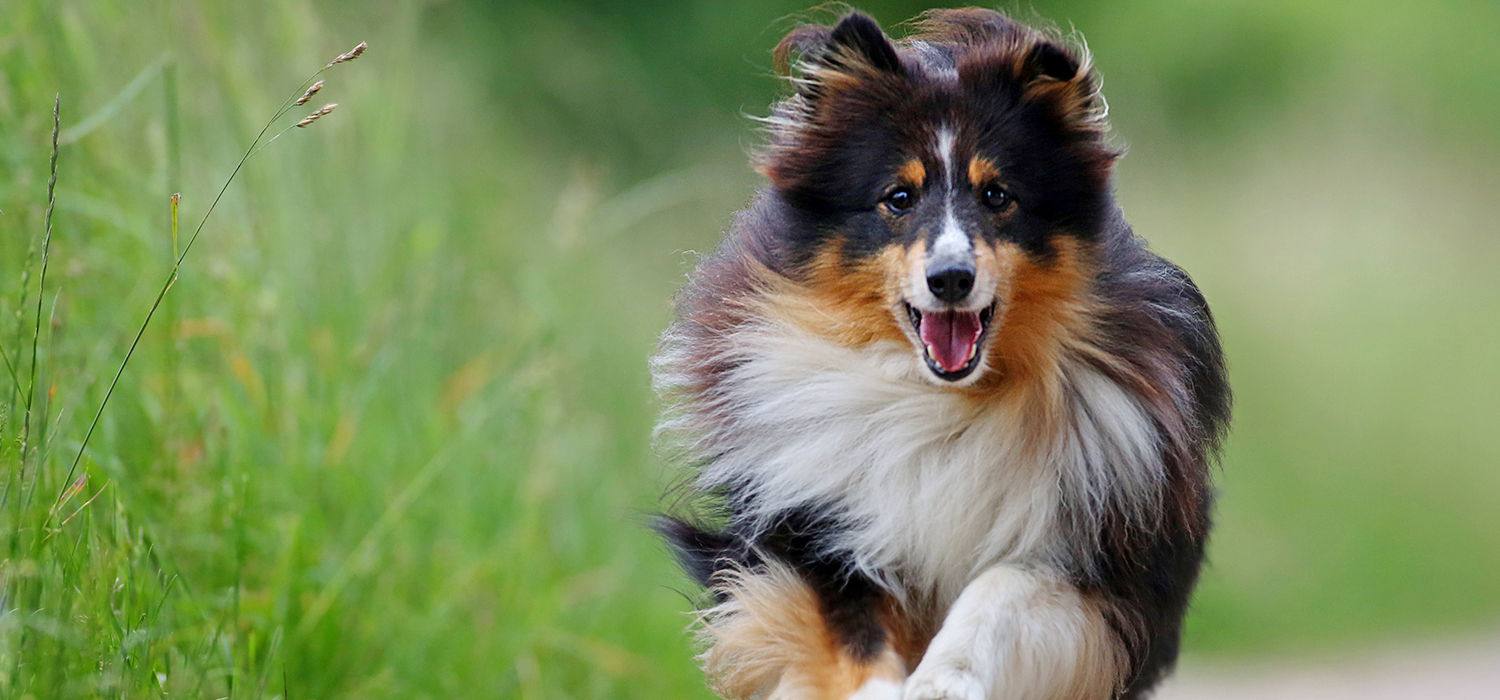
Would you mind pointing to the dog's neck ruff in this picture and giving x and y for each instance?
(928, 486)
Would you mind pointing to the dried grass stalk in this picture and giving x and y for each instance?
(308, 95)
(351, 55)
(322, 111)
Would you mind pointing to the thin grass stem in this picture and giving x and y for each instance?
(281, 111)
(41, 291)
(10, 368)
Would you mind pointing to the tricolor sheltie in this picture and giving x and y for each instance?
(950, 422)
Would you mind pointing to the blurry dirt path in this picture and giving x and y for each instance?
(1456, 671)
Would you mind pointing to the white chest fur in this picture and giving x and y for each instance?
(933, 487)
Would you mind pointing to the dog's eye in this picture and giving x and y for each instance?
(995, 197)
(901, 199)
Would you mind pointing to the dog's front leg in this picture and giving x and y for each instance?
(1020, 634)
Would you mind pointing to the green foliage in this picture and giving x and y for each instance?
(388, 435)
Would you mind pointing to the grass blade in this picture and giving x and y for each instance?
(177, 263)
(41, 292)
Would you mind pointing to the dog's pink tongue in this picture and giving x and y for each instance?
(950, 337)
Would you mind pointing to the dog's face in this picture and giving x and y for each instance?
(949, 190)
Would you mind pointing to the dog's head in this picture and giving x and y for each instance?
(948, 188)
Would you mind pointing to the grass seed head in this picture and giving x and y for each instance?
(322, 111)
(310, 92)
(351, 55)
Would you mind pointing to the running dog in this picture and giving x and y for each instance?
(949, 424)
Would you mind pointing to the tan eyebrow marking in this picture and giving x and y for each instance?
(913, 172)
(982, 171)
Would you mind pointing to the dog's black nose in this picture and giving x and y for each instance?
(951, 284)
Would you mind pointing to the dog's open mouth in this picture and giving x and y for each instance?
(951, 340)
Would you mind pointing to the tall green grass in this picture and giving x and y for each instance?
(388, 434)
(352, 454)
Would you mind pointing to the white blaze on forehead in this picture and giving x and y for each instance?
(951, 241)
(945, 153)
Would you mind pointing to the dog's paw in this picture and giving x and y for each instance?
(943, 684)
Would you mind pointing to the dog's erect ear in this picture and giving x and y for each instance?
(858, 35)
(1048, 60)
(826, 64)
(855, 47)
(1058, 75)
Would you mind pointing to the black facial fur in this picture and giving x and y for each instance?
(838, 144)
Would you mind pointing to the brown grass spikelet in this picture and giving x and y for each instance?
(322, 111)
(351, 55)
(309, 94)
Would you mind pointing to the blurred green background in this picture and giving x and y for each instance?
(388, 436)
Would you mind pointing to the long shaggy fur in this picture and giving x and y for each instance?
(768, 636)
(877, 513)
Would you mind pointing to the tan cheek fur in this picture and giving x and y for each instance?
(851, 305)
(769, 640)
(1043, 310)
